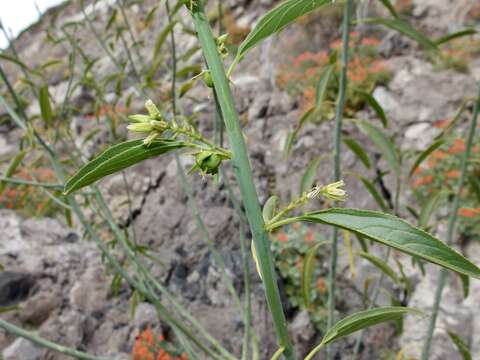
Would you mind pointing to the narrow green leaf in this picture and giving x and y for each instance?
(45, 106)
(270, 208)
(374, 104)
(382, 265)
(14, 60)
(2, 268)
(359, 321)
(424, 154)
(293, 135)
(116, 158)
(455, 35)
(384, 145)
(8, 309)
(12, 167)
(375, 194)
(392, 231)
(357, 149)
(475, 185)
(307, 273)
(362, 242)
(461, 346)
(390, 7)
(406, 29)
(112, 19)
(276, 20)
(310, 175)
(465, 285)
(162, 37)
(322, 85)
(428, 208)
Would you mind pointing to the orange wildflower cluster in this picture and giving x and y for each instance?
(469, 212)
(424, 180)
(458, 147)
(301, 75)
(442, 123)
(18, 196)
(321, 285)
(282, 237)
(146, 347)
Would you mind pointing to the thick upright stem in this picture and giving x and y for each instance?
(451, 229)
(337, 157)
(243, 172)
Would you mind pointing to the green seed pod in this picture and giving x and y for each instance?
(207, 78)
(208, 162)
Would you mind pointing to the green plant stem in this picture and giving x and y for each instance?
(37, 340)
(348, 9)
(121, 5)
(243, 172)
(31, 183)
(451, 228)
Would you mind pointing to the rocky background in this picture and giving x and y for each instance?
(57, 276)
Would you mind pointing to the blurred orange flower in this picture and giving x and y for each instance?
(469, 212)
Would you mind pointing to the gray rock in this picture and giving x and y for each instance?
(22, 349)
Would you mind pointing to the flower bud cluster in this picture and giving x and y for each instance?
(207, 160)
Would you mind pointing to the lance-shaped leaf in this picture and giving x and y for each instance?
(45, 106)
(381, 264)
(390, 7)
(375, 105)
(276, 20)
(359, 321)
(406, 29)
(461, 346)
(396, 233)
(384, 145)
(117, 158)
(270, 208)
(455, 35)
(308, 179)
(424, 154)
(358, 150)
(322, 85)
(307, 273)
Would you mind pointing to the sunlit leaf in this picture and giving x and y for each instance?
(116, 158)
(12, 167)
(45, 106)
(375, 194)
(406, 29)
(359, 321)
(392, 231)
(322, 85)
(307, 271)
(390, 7)
(381, 264)
(428, 208)
(455, 35)
(424, 154)
(384, 145)
(375, 105)
(357, 149)
(461, 346)
(270, 208)
(308, 179)
(276, 20)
